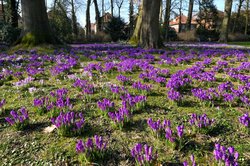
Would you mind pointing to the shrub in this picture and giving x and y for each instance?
(60, 25)
(116, 29)
(8, 34)
(187, 36)
(100, 37)
(207, 35)
(238, 37)
(172, 35)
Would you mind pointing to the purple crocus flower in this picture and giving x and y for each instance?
(180, 130)
(245, 120)
(80, 146)
(227, 155)
(17, 117)
(69, 120)
(143, 154)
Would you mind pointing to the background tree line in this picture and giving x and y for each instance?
(31, 22)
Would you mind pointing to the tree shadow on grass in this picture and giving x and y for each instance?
(155, 94)
(6, 112)
(36, 127)
(150, 108)
(193, 145)
(219, 129)
(172, 164)
(139, 125)
(90, 130)
(187, 103)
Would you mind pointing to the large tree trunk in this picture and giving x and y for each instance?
(14, 13)
(166, 20)
(97, 17)
(150, 30)
(131, 17)
(136, 35)
(237, 15)
(190, 13)
(36, 24)
(226, 19)
(74, 21)
(88, 26)
(247, 18)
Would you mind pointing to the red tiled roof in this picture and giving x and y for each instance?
(175, 21)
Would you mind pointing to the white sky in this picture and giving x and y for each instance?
(124, 12)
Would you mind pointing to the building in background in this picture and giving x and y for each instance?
(106, 18)
(174, 23)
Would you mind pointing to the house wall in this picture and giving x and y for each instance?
(176, 27)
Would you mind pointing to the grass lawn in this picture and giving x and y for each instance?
(204, 90)
(246, 44)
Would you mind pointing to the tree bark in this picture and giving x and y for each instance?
(131, 17)
(36, 25)
(88, 26)
(247, 18)
(226, 19)
(136, 35)
(190, 13)
(180, 15)
(119, 6)
(97, 17)
(150, 30)
(103, 10)
(2, 5)
(237, 15)
(166, 20)
(74, 21)
(14, 13)
(54, 5)
(112, 7)
(161, 12)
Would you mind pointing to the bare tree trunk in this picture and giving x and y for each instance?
(88, 26)
(237, 15)
(36, 24)
(226, 19)
(131, 17)
(247, 18)
(97, 17)
(112, 7)
(103, 10)
(180, 17)
(14, 13)
(136, 35)
(190, 13)
(3, 10)
(119, 6)
(150, 30)
(166, 20)
(54, 5)
(161, 13)
(74, 21)
(119, 12)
